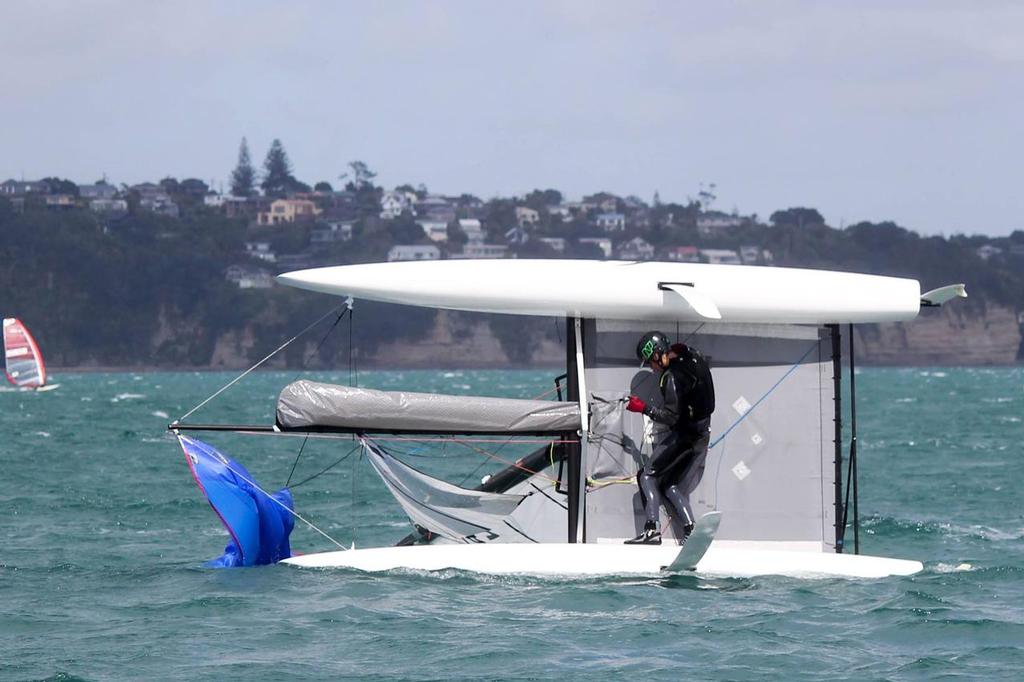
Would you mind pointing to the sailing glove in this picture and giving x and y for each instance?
(635, 404)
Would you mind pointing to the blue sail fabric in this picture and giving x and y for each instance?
(258, 525)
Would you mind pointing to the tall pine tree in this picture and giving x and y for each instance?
(243, 178)
(277, 171)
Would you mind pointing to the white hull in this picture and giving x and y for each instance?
(605, 559)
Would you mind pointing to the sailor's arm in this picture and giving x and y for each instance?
(668, 413)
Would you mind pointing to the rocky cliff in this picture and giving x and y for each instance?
(960, 333)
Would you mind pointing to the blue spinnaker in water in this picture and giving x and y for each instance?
(259, 523)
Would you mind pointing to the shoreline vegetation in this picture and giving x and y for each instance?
(174, 275)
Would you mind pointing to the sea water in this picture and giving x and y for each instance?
(104, 534)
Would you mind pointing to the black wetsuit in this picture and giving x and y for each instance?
(681, 444)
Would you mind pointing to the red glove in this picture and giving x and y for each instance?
(635, 404)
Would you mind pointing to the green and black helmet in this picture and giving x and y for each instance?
(651, 343)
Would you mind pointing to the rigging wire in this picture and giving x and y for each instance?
(516, 464)
(246, 372)
(328, 468)
(305, 362)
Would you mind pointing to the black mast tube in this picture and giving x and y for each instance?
(837, 418)
(573, 451)
(853, 448)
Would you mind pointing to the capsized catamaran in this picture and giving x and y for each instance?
(772, 498)
(24, 363)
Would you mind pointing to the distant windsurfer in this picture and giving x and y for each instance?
(682, 431)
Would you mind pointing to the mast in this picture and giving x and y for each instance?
(852, 478)
(573, 451)
(837, 418)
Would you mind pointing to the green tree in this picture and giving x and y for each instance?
(323, 186)
(360, 174)
(277, 171)
(61, 186)
(797, 217)
(243, 178)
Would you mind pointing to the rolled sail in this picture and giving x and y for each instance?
(309, 405)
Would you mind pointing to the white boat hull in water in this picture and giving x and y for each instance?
(607, 559)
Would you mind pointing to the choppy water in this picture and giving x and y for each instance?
(104, 533)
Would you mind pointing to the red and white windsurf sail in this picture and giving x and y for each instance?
(25, 366)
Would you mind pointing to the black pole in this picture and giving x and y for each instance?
(853, 448)
(837, 418)
(573, 451)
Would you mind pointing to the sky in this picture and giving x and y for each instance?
(867, 110)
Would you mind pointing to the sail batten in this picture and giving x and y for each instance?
(310, 405)
(24, 362)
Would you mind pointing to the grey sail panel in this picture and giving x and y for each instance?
(770, 470)
(442, 508)
(309, 404)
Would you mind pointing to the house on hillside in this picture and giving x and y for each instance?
(562, 211)
(101, 190)
(988, 251)
(288, 211)
(159, 203)
(436, 208)
(611, 222)
(603, 243)
(109, 206)
(13, 188)
(480, 250)
(636, 248)
(721, 256)
(405, 252)
(683, 254)
(331, 232)
(394, 203)
(710, 222)
(261, 251)
(249, 277)
(750, 255)
(602, 201)
(436, 230)
(60, 202)
(526, 216)
(557, 244)
(473, 229)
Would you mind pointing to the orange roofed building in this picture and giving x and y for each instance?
(288, 211)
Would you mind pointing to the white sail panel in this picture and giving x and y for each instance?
(24, 366)
(442, 508)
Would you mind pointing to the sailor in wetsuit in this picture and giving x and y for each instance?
(682, 431)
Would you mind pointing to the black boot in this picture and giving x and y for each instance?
(687, 529)
(649, 536)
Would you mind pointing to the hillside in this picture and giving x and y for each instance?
(139, 288)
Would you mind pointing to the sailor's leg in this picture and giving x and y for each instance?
(680, 502)
(650, 496)
(651, 499)
(678, 493)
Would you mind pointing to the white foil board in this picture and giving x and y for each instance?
(625, 290)
(563, 559)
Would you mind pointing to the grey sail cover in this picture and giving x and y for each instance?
(309, 404)
(444, 509)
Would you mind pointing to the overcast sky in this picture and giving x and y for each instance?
(910, 111)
